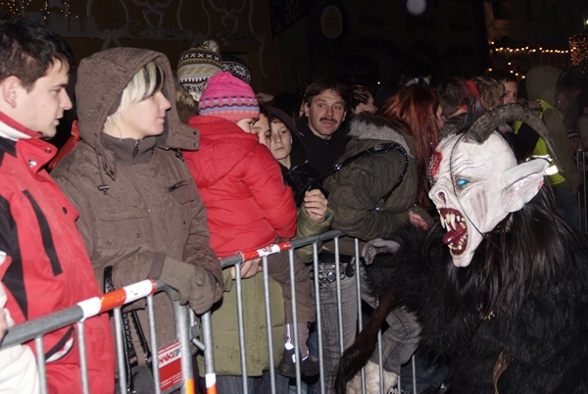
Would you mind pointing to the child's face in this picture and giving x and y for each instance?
(246, 124)
(511, 92)
(280, 143)
(262, 128)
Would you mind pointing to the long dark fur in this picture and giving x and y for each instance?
(523, 299)
(357, 354)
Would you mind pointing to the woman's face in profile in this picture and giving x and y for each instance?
(145, 118)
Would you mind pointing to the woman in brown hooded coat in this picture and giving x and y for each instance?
(139, 210)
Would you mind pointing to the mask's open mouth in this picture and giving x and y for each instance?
(456, 237)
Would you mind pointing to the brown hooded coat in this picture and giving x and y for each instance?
(140, 211)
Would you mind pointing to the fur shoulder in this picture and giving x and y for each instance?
(366, 126)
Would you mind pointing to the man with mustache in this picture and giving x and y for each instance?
(325, 107)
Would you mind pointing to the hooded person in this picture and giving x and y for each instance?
(249, 208)
(371, 196)
(140, 214)
(541, 83)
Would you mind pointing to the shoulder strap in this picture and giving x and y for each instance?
(380, 148)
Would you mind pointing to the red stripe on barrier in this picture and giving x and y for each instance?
(112, 300)
(250, 255)
(276, 248)
(211, 390)
(284, 246)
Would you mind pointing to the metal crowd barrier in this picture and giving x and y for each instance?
(580, 156)
(187, 331)
(177, 357)
(289, 247)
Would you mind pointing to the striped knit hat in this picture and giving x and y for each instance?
(197, 65)
(226, 96)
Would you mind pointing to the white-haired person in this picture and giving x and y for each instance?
(140, 214)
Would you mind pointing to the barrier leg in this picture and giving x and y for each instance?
(83, 360)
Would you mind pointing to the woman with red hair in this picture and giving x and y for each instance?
(416, 108)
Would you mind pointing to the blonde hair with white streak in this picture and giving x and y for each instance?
(143, 85)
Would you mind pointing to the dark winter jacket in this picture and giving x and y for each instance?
(322, 153)
(301, 178)
(140, 211)
(356, 191)
(44, 266)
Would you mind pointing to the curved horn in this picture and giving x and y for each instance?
(452, 126)
(489, 122)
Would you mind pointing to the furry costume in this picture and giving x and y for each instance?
(512, 319)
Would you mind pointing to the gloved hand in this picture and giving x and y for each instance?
(201, 295)
(376, 246)
(194, 284)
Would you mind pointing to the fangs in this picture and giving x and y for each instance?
(453, 222)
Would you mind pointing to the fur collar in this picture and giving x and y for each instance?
(366, 126)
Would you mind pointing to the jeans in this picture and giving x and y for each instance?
(230, 384)
(330, 325)
(400, 340)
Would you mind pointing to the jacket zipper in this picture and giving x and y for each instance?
(136, 149)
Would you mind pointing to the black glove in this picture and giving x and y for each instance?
(376, 246)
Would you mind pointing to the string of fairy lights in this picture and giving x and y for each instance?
(47, 7)
(15, 7)
(578, 43)
(577, 52)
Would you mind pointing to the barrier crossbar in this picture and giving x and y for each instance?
(289, 247)
(185, 323)
(189, 332)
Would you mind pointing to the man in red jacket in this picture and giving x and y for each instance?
(44, 266)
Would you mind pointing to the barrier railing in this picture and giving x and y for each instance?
(290, 247)
(176, 357)
(187, 332)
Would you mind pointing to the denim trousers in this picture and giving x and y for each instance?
(330, 325)
(400, 340)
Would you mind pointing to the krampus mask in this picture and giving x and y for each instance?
(477, 182)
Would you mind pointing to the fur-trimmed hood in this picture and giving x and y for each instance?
(366, 126)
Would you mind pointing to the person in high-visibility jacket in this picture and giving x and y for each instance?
(541, 83)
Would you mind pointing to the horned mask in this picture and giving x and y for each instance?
(478, 182)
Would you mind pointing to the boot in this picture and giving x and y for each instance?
(372, 380)
(309, 366)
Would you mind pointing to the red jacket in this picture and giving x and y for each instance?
(242, 187)
(46, 267)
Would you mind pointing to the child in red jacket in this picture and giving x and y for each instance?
(248, 205)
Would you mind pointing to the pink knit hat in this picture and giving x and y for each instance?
(226, 96)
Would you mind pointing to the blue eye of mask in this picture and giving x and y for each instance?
(462, 182)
